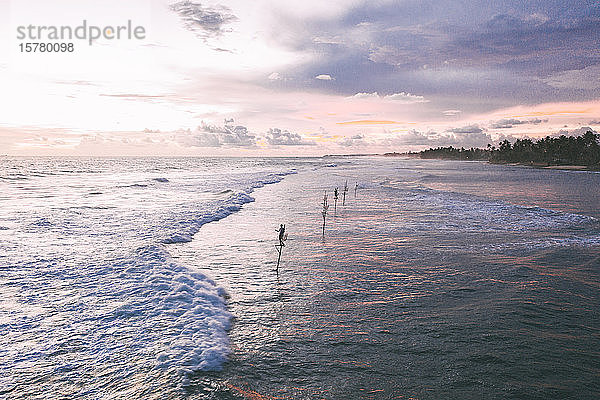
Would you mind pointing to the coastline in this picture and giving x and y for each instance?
(397, 278)
(564, 167)
(574, 153)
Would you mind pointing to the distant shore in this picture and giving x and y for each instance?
(566, 167)
(576, 153)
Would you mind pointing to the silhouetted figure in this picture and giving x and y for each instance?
(344, 192)
(324, 212)
(281, 231)
(335, 197)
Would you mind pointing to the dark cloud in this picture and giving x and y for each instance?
(532, 44)
(582, 79)
(505, 124)
(277, 137)
(205, 21)
(466, 129)
(502, 35)
(511, 122)
(500, 52)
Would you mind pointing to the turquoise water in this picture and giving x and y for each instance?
(156, 278)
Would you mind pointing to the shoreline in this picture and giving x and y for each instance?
(564, 167)
(288, 322)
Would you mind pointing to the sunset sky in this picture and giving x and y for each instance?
(299, 78)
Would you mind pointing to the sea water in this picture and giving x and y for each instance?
(92, 304)
(156, 278)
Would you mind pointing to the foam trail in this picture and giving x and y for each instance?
(99, 304)
(188, 227)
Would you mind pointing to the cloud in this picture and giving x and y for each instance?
(206, 21)
(466, 129)
(586, 78)
(386, 54)
(323, 134)
(440, 48)
(574, 132)
(78, 82)
(416, 138)
(136, 97)
(373, 95)
(451, 113)
(368, 122)
(206, 135)
(537, 121)
(539, 44)
(277, 137)
(435, 139)
(506, 123)
(324, 77)
(402, 97)
(275, 76)
(406, 98)
(511, 122)
(328, 40)
(353, 141)
(594, 122)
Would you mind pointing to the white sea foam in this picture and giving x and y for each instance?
(98, 292)
(467, 212)
(188, 227)
(189, 318)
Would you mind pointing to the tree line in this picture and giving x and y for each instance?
(562, 150)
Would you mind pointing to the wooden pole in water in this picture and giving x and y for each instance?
(335, 198)
(282, 238)
(344, 192)
(324, 211)
(279, 248)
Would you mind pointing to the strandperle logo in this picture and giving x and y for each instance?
(83, 32)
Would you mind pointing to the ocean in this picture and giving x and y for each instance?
(157, 278)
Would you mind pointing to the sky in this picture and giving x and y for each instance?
(265, 77)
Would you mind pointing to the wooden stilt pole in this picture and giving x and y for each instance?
(324, 211)
(279, 248)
